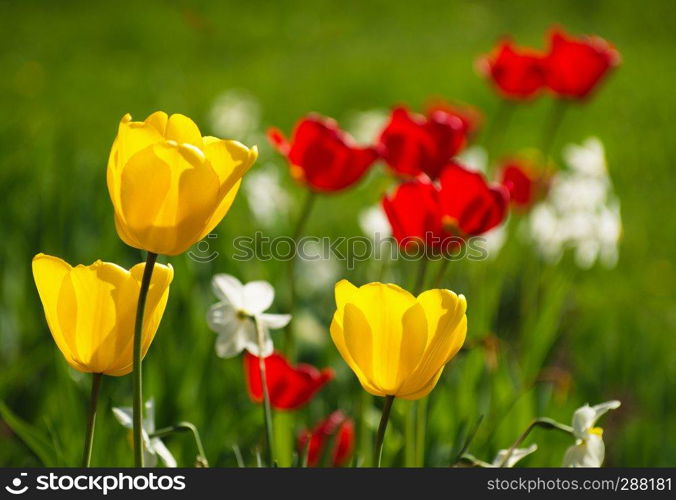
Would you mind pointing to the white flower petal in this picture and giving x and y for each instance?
(602, 408)
(228, 288)
(229, 345)
(149, 416)
(257, 297)
(275, 321)
(583, 420)
(157, 446)
(586, 453)
(516, 455)
(124, 416)
(221, 317)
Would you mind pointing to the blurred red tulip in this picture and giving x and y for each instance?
(321, 155)
(289, 387)
(337, 431)
(413, 144)
(520, 181)
(517, 73)
(470, 116)
(469, 205)
(414, 213)
(575, 66)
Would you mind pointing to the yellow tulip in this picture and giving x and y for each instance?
(397, 344)
(91, 310)
(169, 185)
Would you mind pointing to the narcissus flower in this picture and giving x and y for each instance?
(414, 144)
(152, 447)
(322, 156)
(91, 310)
(414, 213)
(516, 455)
(469, 205)
(337, 431)
(517, 73)
(576, 66)
(589, 449)
(233, 317)
(289, 387)
(169, 185)
(397, 344)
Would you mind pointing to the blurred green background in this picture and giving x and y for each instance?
(72, 69)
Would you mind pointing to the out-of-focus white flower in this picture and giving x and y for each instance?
(365, 126)
(516, 455)
(474, 158)
(153, 447)
(581, 211)
(267, 199)
(374, 223)
(317, 270)
(589, 449)
(587, 158)
(233, 317)
(235, 113)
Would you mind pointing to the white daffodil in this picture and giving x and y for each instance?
(516, 455)
(589, 449)
(153, 447)
(232, 317)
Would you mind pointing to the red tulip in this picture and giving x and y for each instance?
(415, 144)
(289, 387)
(575, 66)
(414, 213)
(336, 430)
(517, 73)
(321, 155)
(470, 116)
(522, 183)
(469, 205)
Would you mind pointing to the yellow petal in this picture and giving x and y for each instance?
(169, 193)
(447, 328)
(49, 273)
(359, 344)
(158, 120)
(343, 292)
(423, 389)
(384, 306)
(182, 129)
(230, 160)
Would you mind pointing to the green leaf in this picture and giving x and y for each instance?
(34, 440)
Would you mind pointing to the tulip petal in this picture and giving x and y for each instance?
(49, 273)
(447, 328)
(384, 306)
(183, 130)
(424, 390)
(344, 291)
(359, 343)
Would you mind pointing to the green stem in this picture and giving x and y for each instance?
(552, 127)
(420, 431)
(443, 267)
(297, 232)
(545, 423)
(91, 419)
(267, 409)
(185, 427)
(138, 358)
(420, 277)
(496, 131)
(409, 435)
(380, 436)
